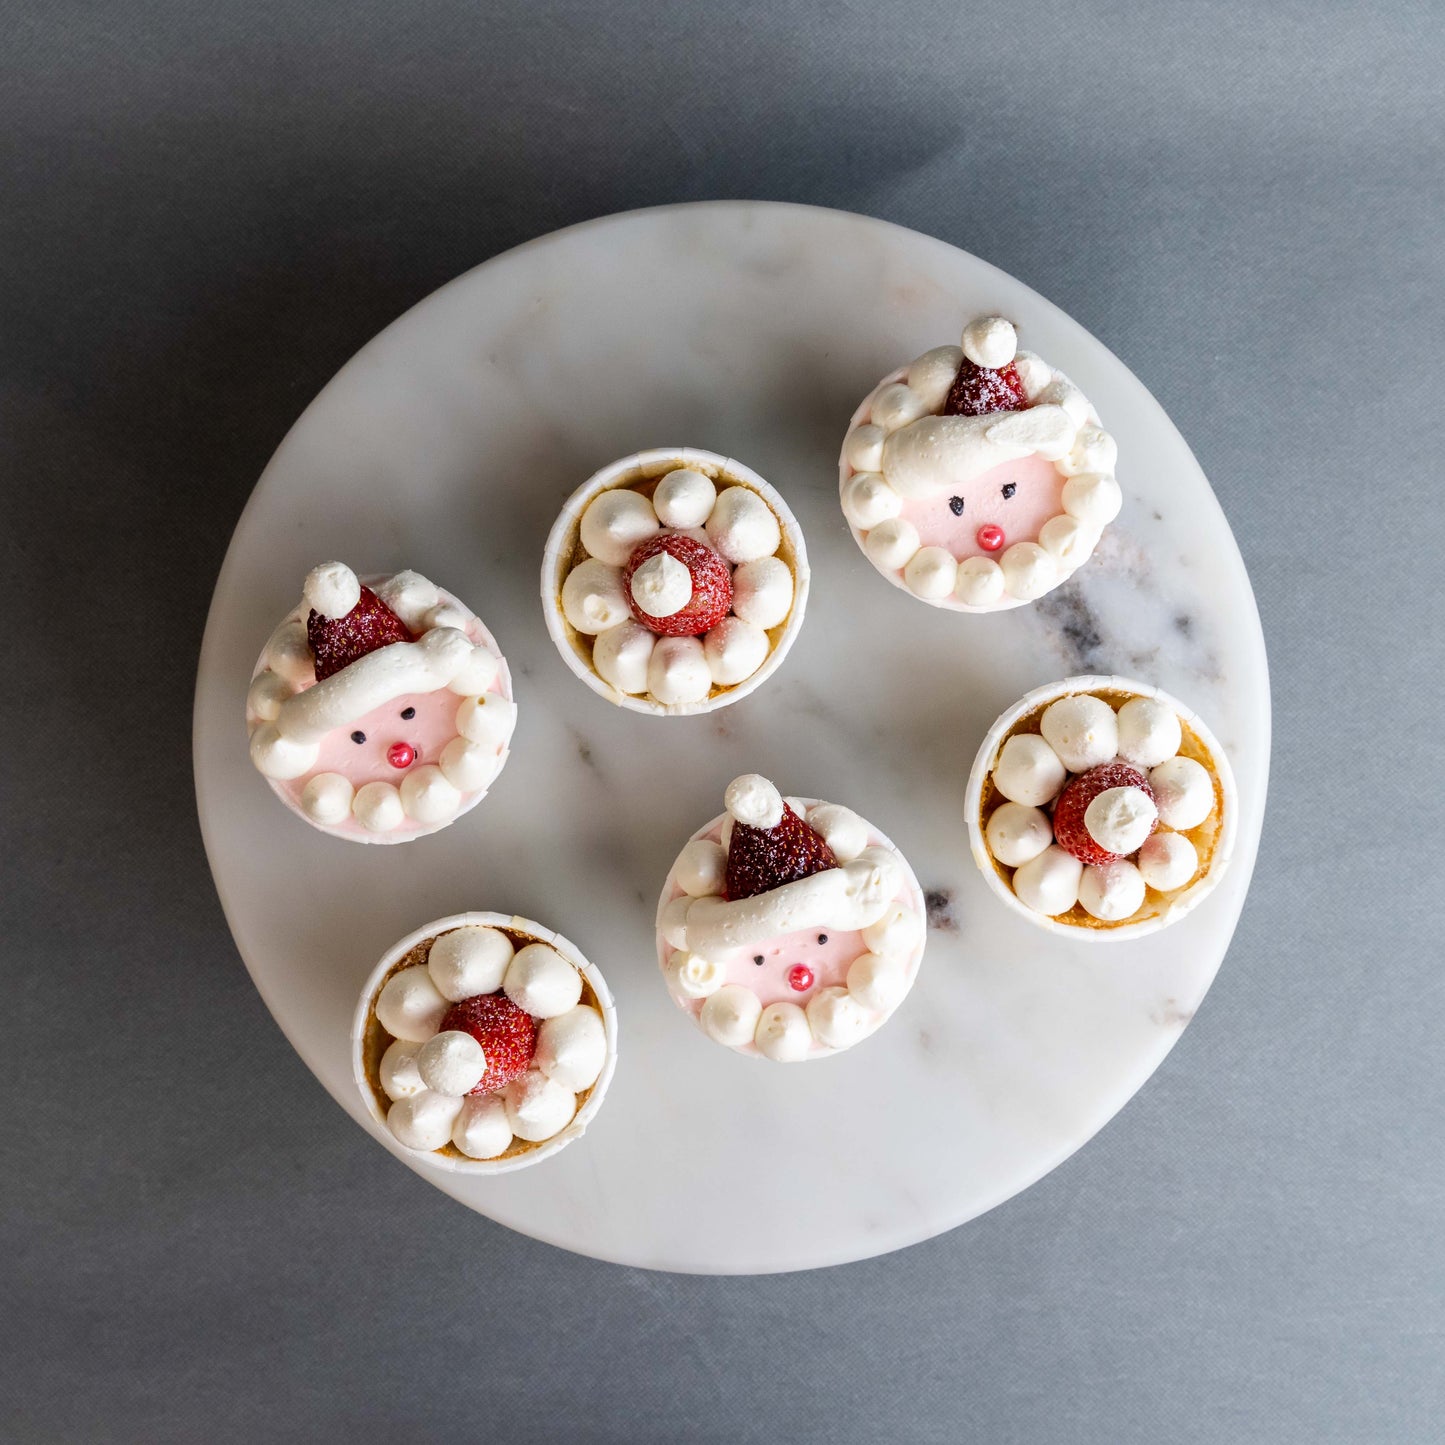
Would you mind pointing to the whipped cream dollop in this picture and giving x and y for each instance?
(739, 526)
(1080, 732)
(711, 946)
(299, 726)
(903, 461)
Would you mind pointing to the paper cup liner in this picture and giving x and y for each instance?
(369, 1041)
(1213, 839)
(564, 551)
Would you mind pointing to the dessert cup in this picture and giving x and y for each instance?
(789, 928)
(977, 478)
(418, 1089)
(742, 550)
(379, 711)
(1160, 857)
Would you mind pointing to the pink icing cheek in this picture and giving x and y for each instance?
(824, 955)
(1036, 495)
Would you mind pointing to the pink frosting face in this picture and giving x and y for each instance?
(392, 739)
(792, 967)
(1007, 504)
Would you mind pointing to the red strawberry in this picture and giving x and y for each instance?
(1069, 831)
(507, 1034)
(977, 391)
(763, 858)
(712, 586)
(337, 641)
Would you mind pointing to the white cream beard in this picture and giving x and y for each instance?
(852, 897)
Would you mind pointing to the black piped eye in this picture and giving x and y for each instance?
(822, 938)
(408, 713)
(955, 505)
(358, 736)
(1009, 488)
(758, 959)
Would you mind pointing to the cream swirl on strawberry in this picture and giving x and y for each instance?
(789, 929)
(379, 713)
(674, 589)
(978, 477)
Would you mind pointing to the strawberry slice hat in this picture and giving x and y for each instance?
(769, 844)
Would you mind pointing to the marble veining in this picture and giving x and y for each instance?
(752, 330)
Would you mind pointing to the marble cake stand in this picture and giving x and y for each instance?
(448, 444)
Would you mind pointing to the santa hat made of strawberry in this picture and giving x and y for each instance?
(782, 875)
(369, 648)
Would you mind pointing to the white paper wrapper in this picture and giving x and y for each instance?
(911, 889)
(562, 542)
(1158, 911)
(535, 1153)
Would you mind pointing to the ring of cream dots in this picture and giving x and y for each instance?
(835, 1017)
(427, 1073)
(1082, 732)
(1060, 424)
(739, 526)
(287, 714)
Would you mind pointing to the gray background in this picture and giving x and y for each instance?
(205, 209)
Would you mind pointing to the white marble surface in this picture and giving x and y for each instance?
(447, 445)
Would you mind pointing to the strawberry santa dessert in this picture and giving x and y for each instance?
(379, 712)
(1101, 806)
(788, 928)
(674, 581)
(485, 1042)
(978, 477)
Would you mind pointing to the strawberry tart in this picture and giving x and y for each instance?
(485, 1042)
(379, 711)
(1101, 806)
(674, 581)
(978, 477)
(787, 928)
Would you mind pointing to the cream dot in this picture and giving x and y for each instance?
(763, 591)
(782, 1033)
(1028, 770)
(684, 498)
(892, 543)
(1168, 861)
(594, 597)
(1049, 884)
(378, 807)
(863, 448)
(1183, 791)
(1028, 570)
(868, 500)
(327, 798)
(621, 656)
(1017, 834)
(428, 795)
(931, 573)
(1094, 498)
(980, 581)
(895, 406)
(615, 522)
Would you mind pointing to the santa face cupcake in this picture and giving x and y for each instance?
(484, 1042)
(978, 477)
(379, 713)
(787, 928)
(674, 581)
(1101, 807)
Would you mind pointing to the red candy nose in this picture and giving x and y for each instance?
(800, 977)
(401, 755)
(990, 537)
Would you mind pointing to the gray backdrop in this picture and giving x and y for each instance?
(205, 209)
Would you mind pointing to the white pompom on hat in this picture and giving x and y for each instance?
(332, 589)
